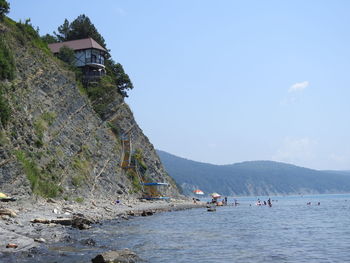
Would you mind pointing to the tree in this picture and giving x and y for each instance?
(67, 55)
(63, 31)
(4, 8)
(49, 39)
(80, 28)
(120, 78)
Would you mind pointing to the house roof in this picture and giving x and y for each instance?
(78, 44)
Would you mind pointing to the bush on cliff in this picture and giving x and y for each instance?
(42, 184)
(7, 63)
(67, 55)
(5, 111)
(4, 8)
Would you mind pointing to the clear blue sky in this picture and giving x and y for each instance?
(228, 81)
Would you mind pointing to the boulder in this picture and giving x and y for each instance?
(147, 213)
(119, 256)
(8, 212)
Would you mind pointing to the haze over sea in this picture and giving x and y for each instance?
(289, 231)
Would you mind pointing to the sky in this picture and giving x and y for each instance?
(228, 81)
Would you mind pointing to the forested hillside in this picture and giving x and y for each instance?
(253, 178)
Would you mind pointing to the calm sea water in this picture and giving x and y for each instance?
(289, 231)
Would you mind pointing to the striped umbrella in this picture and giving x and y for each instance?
(198, 192)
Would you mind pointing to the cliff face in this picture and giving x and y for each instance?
(55, 144)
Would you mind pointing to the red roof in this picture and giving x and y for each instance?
(78, 44)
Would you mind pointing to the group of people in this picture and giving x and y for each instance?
(260, 203)
(309, 203)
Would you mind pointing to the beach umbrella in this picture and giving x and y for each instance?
(215, 195)
(198, 192)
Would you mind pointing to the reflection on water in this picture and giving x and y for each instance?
(289, 231)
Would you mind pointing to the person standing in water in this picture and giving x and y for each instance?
(269, 202)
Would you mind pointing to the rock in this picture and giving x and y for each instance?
(40, 240)
(50, 200)
(40, 221)
(119, 256)
(55, 211)
(67, 209)
(108, 209)
(62, 221)
(147, 213)
(82, 222)
(131, 213)
(89, 242)
(7, 211)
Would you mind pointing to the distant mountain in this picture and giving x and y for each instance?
(253, 178)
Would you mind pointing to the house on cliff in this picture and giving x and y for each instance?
(89, 56)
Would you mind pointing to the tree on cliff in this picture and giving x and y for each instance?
(4, 8)
(120, 78)
(49, 39)
(80, 28)
(67, 55)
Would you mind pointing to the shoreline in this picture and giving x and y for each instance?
(34, 223)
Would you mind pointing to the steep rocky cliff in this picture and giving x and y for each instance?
(54, 143)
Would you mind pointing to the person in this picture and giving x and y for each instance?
(269, 202)
(264, 202)
(225, 200)
(258, 203)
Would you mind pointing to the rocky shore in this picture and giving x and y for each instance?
(27, 224)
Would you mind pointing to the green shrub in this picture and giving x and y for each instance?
(79, 199)
(114, 128)
(49, 117)
(134, 180)
(4, 8)
(83, 166)
(3, 139)
(78, 180)
(7, 62)
(5, 111)
(41, 184)
(41, 125)
(138, 156)
(67, 55)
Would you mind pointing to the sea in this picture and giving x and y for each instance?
(290, 231)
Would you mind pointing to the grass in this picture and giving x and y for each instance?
(5, 110)
(83, 166)
(79, 199)
(134, 181)
(41, 125)
(7, 62)
(41, 183)
(138, 156)
(78, 180)
(3, 139)
(114, 129)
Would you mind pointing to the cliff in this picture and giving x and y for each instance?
(52, 142)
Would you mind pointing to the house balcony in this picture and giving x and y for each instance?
(95, 62)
